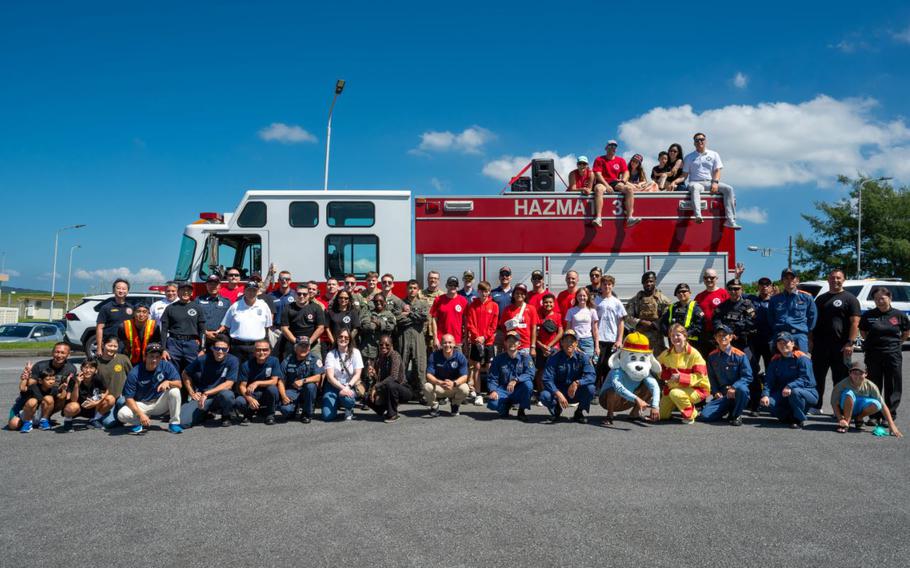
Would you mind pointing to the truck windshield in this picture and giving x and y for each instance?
(185, 259)
(243, 252)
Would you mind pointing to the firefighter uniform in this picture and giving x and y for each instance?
(213, 307)
(412, 339)
(183, 330)
(727, 369)
(689, 389)
(794, 372)
(689, 316)
(505, 369)
(795, 313)
(563, 370)
(648, 307)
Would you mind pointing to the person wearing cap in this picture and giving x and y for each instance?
(793, 311)
(430, 293)
(447, 376)
(566, 299)
(789, 390)
(467, 291)
(761, 341)
(637, 179)
(684, 376)
(730, 374)
(158, 306)
(645, 310)
(511, 379)
(631, 383)
(209, 383)
(611, 314)
(538, 290)
(302, 318)
(213, 306)
(581, 178)
(856, 397)
(835, 333)
(412, 325)
(232, 289)
(389, 385)
(568, 378)
(301, 374)
(686, 312)
(481, 323)
(246, 321)
(885, 329)
(182, 328)
(151, 389)
(448, 312)
(737, 313)
(137, 333)
(702, 170)
(502, 294)
(258, 384)
(520, 318)
(610, 175)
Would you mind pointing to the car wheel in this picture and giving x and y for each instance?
(89, 347)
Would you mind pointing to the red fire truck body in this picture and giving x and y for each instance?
(317, 235)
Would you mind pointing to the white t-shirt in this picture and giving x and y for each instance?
(247, 323)
(609, 312)
(701, 167)
(157, 308)
(343, 366)
(581, 319)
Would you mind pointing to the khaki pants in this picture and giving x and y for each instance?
(168, 403)
(457, 395)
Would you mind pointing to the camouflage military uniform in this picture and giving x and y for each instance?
(371, 329)
(648, 307)
(412, 324)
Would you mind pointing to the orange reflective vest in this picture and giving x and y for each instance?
(136, 342)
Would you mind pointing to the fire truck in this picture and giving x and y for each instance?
(318, 235)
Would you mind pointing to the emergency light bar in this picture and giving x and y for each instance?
(458, 206)
(211, 217)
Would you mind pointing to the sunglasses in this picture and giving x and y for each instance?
(285, 279)
(699, 139)
(344, 338)
(734, 288)
(352, 283)
(387, 282)
(710, 277)
(233, 276)
(303, 294)
(263, 350)
(220, 349)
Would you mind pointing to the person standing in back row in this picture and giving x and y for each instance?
(834, 334)
(885, 329)
(182, 328)
(645, 310)
(448, 313)
(703, 169)
(112, 314)
(793, 311)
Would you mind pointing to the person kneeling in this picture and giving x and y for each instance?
(259, 378)
(631, 382)
(685, 377)
(343, 367)
(209, 380)
(152, 389)
(569, 378)
(789, 383)
(730, 374)
(856, 397)
(38, 400)
(389, 386)
(88, 397)
(447, 376)
(511, 379)
(302, 372)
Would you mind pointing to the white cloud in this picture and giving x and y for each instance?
(150, 275)
(437, 184)
(468, 141)
(740, 80)
(776, 144)
(506, 167)
(14, 273)
(755, 215)
(904, 36)
(286, 134)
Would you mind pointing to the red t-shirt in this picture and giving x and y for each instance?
(232, 295)
(483, 317)
(526, 322)
(542, 335)
(536, 299)
(581, 180)
(610, 169)
(565, 301)
(449, 314)
(708, 302)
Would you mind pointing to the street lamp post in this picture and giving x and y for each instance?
(339, 86)
(54, 270)
(769, 251)
(859, 223)
(69, 279)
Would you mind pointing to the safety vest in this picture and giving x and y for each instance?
(689, 311)
(137, 344)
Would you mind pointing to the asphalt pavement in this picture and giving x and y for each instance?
(455, 491)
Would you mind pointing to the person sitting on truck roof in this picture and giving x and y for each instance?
(668, 173)
(582, 178)
(610, 173)
(112, 314)
(233, 289)
(638, 180)
(702, 169)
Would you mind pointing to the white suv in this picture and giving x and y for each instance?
(81, 320)
(862, 289)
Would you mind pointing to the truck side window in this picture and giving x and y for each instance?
(253, 215)
(351, 214)
(355, 254)
(303, 214)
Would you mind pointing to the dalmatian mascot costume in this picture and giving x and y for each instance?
(632, 382)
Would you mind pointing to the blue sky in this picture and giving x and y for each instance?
(133, 119)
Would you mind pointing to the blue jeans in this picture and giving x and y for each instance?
(110, 420)
(191, 415)
(304, 403)
(586, 345)
(331, 400)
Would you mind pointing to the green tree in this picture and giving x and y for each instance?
(885, 236)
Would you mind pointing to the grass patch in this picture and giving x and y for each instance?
(27, 345)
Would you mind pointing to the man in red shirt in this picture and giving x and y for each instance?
(610, 174)
(538, 290)
(548, 336)
(448, 314)
(233, 289)
(521, 317)
(482, 319)
(708, 300)
(566, 299)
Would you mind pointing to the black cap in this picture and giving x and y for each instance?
(787, 272)
(722, 327)
(764, 281)
(733, 283)
(184, 284)
(302, 341)
(569, 334)
(255, 277)
(452, 281)
(513, 334)
(537, 274)
(154, 348)
(681, 287)
(505, 271)
(214, 278)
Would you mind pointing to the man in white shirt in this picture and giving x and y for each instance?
(247, 320)
(701, 170)
(610, 314)
(158, 306)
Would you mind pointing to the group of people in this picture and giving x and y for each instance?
(696, 172)
(240, 352)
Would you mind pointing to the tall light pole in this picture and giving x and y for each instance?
(69, 278)
(2, 273)
(768, 251)
(859, 223)
(339, 86)
(54, 270)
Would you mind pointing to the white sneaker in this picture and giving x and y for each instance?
(574, 404)
(732, 225)
(478, 400)
(540, 404)
(699, 219)
(597, 222)
(632, 221)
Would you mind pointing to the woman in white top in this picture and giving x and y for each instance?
(582, 318)
(343, 366)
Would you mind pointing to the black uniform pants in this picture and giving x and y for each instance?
(827, 355)
(388, 394)
(885, 371)
(759, 358)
